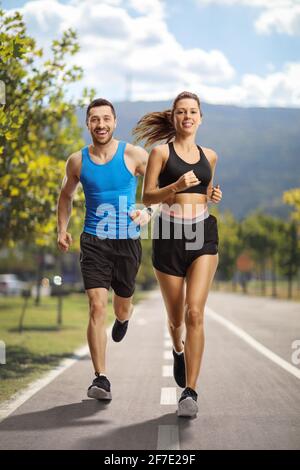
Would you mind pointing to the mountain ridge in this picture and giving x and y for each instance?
(258, 150)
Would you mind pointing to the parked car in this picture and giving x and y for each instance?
(10, 284)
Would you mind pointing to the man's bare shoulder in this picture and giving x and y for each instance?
(74, 163)
(75, 157)
(135, 150)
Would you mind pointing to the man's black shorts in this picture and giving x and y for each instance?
(110, 262)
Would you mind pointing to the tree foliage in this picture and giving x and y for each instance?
(38, 130)
(292, 197)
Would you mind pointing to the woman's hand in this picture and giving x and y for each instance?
(216, 194)
(187, 180)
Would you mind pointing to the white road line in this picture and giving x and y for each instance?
(168, 396)
(140, 321)
(11, 405)
(168, 438)
(254, 343)
(168, 355)
(167, 371)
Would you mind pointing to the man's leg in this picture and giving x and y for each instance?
(123, 284)
(97, 338)
(122, 307)
(123, 310)
(96, 331)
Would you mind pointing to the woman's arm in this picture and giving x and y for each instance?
(214, 194)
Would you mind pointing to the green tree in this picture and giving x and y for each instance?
(274, 228)
(292, 197)
(290, 254)
(256, 238)
(230, 245)
(265, 236)
(38, 130)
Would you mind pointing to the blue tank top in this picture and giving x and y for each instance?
(110, 192)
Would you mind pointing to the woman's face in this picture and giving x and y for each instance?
(186, 116)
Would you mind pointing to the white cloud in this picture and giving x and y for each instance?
(119, 49)
(262, 3)
(275, 89)
(281, 20)
(116, 45)
(281, 16)
(148, 7)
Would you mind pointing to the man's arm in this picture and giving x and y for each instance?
(141, 159)
(64, 206)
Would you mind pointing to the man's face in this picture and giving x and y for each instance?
(101, 124)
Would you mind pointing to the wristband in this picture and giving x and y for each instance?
(149, 210)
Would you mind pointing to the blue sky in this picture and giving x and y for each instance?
(231, 29)
(244, 52)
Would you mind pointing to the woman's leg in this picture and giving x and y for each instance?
(199, 279)
(172, 289)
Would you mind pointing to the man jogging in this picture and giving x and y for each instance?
(110, 246)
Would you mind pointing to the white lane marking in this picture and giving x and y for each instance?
(168, 343)
(140, 321)
(168, 355)
(168, 438)
(168, 396)
(254, 343)
(11, 405)
(167, 371)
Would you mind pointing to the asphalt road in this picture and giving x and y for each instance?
(246, 400)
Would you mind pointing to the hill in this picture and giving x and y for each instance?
(258, 149)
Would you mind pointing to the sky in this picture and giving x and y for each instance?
(239, 52)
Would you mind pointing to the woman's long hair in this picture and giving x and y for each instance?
(158, 126)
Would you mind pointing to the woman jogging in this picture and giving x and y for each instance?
(179, 175)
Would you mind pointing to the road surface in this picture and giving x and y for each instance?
(248, 387)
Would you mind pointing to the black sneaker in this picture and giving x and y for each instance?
(100, 388)
(187, 405)
(179, 369)
(119, 330)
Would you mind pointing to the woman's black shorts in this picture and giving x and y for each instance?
(175, 248)
(110, 262)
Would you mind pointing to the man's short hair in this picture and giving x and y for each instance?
(99, 102)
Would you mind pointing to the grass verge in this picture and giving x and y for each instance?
(42, 344)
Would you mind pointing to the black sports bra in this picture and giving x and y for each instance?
(176, 167)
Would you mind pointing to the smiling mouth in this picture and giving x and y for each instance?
(187, 124)
(101, 133)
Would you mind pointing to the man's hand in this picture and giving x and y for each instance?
(64, 241)
(140, 217)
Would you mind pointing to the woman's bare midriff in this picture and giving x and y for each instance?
(185, 205)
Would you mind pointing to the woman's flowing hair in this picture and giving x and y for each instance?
(158, 126)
